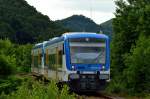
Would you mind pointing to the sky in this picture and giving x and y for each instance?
(98, 10)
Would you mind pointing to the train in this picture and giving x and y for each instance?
(79, 59)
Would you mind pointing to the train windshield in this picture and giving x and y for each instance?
(87, 51)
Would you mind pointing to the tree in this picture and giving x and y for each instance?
(22, 24)
(132, 20)
(7, 58)
(138, 71)
(23, 57)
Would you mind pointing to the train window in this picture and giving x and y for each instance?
(32, 59)
(52, 61)
(39, 59)
(63, 51)
(89, 40)
(46, 58)
(88, 51)
(55, 62)
(36, 61)
(88, 55)
(60, 53)
(55, 57)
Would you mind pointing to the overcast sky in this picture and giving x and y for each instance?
(98, 10)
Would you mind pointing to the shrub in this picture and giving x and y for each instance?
(117, 85)
(23, 57)
(36, 90)
(11, 83)
(7, 65)
(7, 58)
(138, 71)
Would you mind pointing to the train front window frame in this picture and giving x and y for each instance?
(87, 50)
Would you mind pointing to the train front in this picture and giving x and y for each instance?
(88, 58)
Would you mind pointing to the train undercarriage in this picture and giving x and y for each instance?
(87, 83)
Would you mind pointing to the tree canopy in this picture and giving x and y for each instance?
(21, 23)
(80, 23)
(130, 45)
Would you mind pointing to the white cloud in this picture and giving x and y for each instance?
(102, 10)
(97, 5)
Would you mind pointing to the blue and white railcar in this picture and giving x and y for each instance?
(79, 59)
(37, 65)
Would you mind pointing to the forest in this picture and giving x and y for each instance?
(81, 23)
(130, 49)
(21, 26)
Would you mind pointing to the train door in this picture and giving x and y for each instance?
(32, 63)
(39, 62)
(46, 64)
(59, 58)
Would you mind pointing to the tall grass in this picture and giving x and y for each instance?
(38, 90)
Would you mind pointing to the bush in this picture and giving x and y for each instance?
(117, 85)
(7, 58)
(147, 97)
(7, 65)
(36, 90)
(15, 57)
(137, 73)
(10, 84)
(135, 79)
(23, 57)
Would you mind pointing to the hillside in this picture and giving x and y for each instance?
(21, 23)
(106, 27)
(81, 23)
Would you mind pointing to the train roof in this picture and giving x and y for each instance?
(84, 34)
(39, 45)
(70, 35)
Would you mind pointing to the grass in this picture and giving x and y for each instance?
(38, 90)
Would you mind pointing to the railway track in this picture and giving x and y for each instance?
(96, 96)
(84, 95)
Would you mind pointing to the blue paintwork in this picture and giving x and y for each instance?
(67, 50)
(83, 35)
(107, 54)
(59, 39)
(38, 46)
(80, 67)
(86, 67)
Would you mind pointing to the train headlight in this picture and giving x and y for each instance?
(73, 67)
(74, 76)
(103, 67)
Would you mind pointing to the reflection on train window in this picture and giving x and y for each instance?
(35, 61)
(55, 58)
(88, 55)
(60, 54)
